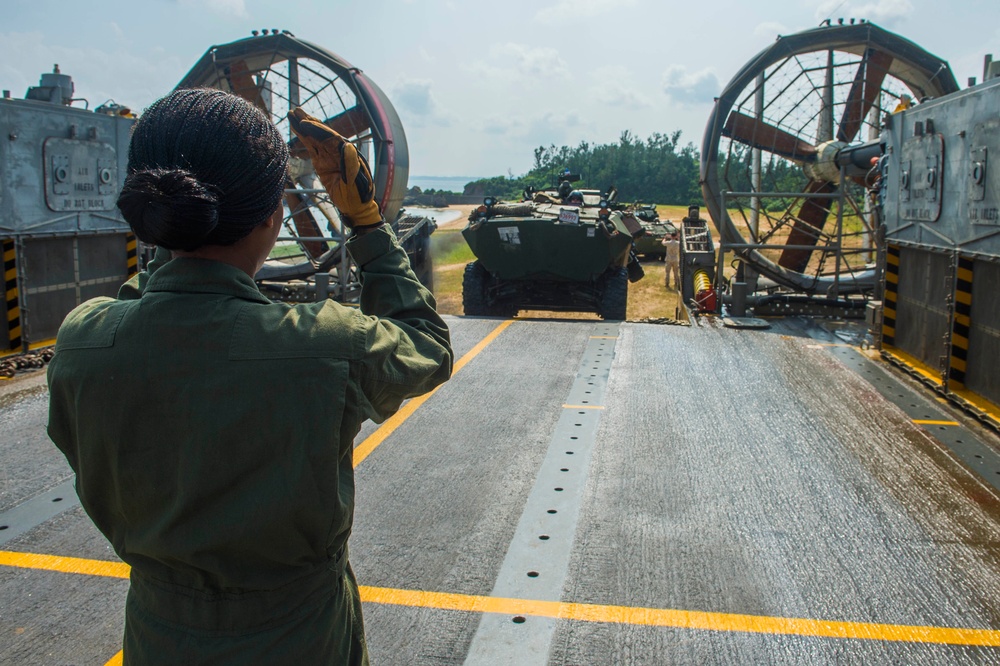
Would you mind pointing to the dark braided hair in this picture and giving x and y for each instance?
(204, 168)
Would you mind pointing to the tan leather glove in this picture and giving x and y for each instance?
(342, 170)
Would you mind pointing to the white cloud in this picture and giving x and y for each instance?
(882, 12)
(551, 127)
(118, 32)
(518, 66)
(566, 11)
(685, 87)
(502, 125)
(233, 8)
(531, 61)
(616, 86)
(414, 99)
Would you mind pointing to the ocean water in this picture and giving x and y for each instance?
(444, 183)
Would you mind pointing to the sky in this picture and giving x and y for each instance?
(478, 86)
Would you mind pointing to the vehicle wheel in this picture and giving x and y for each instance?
(614, 300)
(474, 290)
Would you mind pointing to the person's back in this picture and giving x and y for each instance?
(212, 430)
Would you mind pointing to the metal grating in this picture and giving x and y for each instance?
(981, 374)
(923, 319)
(65, 272)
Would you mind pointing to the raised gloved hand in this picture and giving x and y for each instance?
(342, 170)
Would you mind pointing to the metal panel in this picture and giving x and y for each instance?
(941, 180)
(66, 271)
(922, 314)
(60, 168)
(984, 177)
(79, 175)
(981, 376)
(920, 181)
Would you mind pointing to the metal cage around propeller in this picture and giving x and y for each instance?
(276, 71)
(787, 156)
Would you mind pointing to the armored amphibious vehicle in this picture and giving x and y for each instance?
(560, 249)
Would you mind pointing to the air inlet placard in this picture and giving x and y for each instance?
(79, 175)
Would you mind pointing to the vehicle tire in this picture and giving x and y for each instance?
(474, 290)
(614, 299)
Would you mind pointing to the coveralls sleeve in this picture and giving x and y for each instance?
(406, 345)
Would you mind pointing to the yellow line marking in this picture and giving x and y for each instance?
(74, 565)
(683, 619)
(932, 422)
(115, 660)
(583, 406)
(364, 449)
(655, 617)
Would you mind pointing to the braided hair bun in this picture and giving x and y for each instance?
(205, 167)
(170, 208)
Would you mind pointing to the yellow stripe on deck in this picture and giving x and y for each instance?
(932, 422)
(561, 610)
(364, 449)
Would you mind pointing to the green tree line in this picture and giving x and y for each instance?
(656, 170)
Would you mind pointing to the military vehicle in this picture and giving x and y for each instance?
(561, 249)
(650, 244)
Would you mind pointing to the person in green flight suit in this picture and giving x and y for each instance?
(211, 430)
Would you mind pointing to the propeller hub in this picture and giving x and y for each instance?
(825, 169)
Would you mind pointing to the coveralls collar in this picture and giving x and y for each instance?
(204, 276)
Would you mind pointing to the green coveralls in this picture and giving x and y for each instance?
(211, 432)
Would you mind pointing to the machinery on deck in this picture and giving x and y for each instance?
(787, 160)
(847, 173)
(63, 239)
(62, 166)
(277, 71)
(563, 250)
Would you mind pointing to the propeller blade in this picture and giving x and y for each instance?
(242, 84)
(865, 89)
(758, 134)
(350, 123)
(807, 227)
